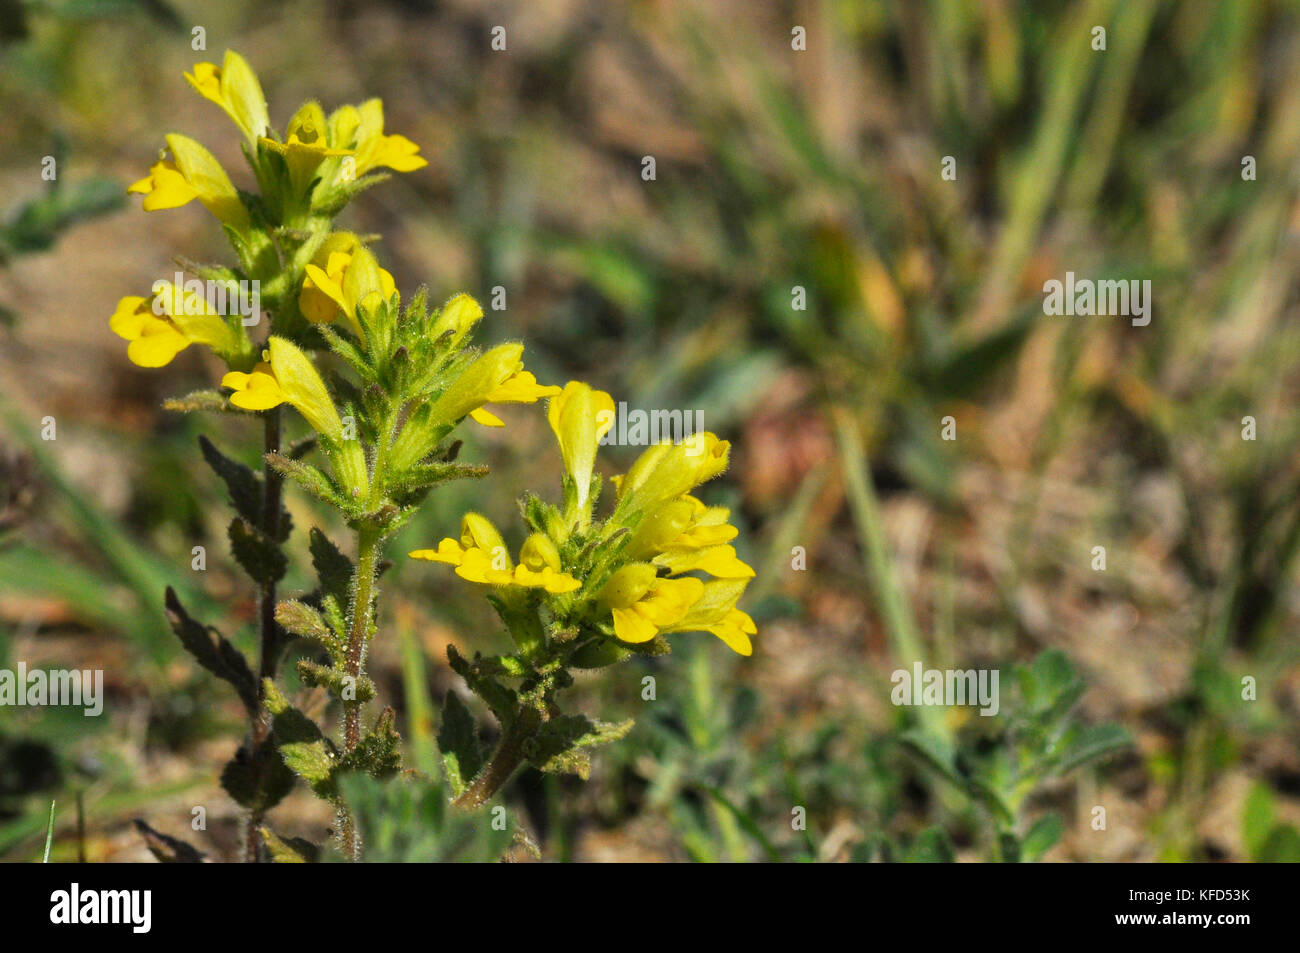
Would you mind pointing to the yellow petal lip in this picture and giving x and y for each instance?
(164, 187)
(129, 317)
(553, 582)
(449, 551)
(374, 149)
(258, 390)
(630, 626)
(486, 418)
(157, 344)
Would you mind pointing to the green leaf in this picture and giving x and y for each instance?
(199, 400)
(312, 479)
(212, 651)
(39, 222)
(462, 754)
(378, 752)
(1257, 819)
(422, 476)
(336, 682)
(307, 752)
(937, 752)
(1042, 837)
(306, 623)
(1091, 743)
(503, 701)
(167, 849)
(244, 486)
(257, 553)
(1281, 847)
(258, 778)
(556, 745)
(332, 567)
(49, 836)
(294, 850)
(1049, 684)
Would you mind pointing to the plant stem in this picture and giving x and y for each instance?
(508, 756)
(363, 597)
(259, 726)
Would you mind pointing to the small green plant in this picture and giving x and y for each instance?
(1036, 738)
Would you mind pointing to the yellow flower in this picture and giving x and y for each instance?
(715, 612)
(579, 417)
(287, 376)
(306, 146)
(480, 556)
(164, 324)
(642, 604)
(458, 315)
(496, 376)
(194, 174)
(521, 387)
(347, 281)
(666, 471)
(539, 566)
(234, 87)
(719, 561)
(373, 149)
(154, 340)
(684, 535)
(683, 523)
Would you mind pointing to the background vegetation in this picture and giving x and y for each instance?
(775, 169)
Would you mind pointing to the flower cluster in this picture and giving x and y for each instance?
(307, 273)
(402, 377)
(660, 563)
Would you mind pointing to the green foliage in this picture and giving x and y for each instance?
(1267, 840)
(409, 820)
(212, 651)
(557, 745)
(1001, 761)
(462, 752)
(167, 849)
(37, 224)
(257, 777)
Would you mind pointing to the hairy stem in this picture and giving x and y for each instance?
(259, 726)
(508, 756)
(363, 597)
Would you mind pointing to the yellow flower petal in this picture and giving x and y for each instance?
(458, 316)
(719, 561)
(157, 343)
(234, 87)
(631, 626)
(449, 551)
(579, 416)
(486, 418)
(164, 187)
(302, 386)
(258, 390)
